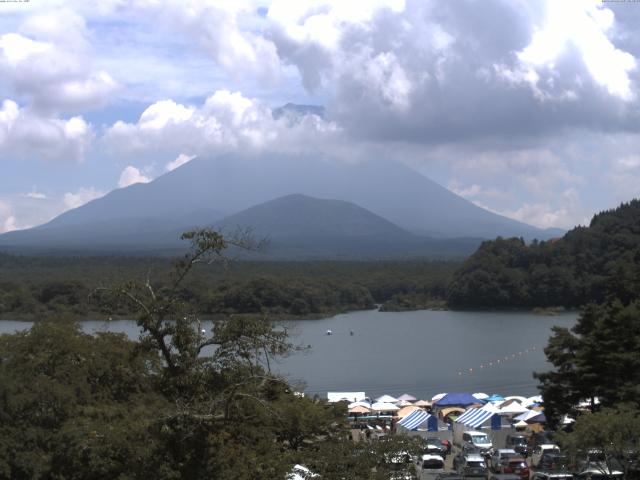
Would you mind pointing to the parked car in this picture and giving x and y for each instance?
(497, 457)
(519, 442)
(478, 440)
(472, 465)
(540, 450)
(449, 476)
(515, 465)
(434, 446)
(598, 474)
(552, 461)
(557, 475)
(503, 476)
(430, 464)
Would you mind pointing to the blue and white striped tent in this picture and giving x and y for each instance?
(474, 417)
(417, 418)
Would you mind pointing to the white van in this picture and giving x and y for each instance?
(479, 440)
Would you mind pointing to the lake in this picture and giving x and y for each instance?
(422, 353)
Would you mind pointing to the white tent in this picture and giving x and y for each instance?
(384, 407)
(513, 408)
(387, 398)
(481, 396)
(360, 404)
(333, 397)
(437, 397)
(531, 400)
(517, 398)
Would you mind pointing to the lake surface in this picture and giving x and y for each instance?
(422, 353)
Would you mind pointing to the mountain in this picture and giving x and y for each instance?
(208, 189)
(299, 226)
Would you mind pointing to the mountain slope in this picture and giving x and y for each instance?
(301, 216)
(231, 183)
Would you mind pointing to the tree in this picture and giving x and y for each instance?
(599, 357)
(612, 435)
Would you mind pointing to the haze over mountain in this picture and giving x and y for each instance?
(206, 190)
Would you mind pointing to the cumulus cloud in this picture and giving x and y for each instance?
(26, 133)
(131, 175)
(80, 197)
(179, 161)
(48, 64)
(7, 219)
(225, 121)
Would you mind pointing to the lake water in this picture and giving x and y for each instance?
(422, 353)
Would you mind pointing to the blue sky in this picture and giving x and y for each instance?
(530, 109)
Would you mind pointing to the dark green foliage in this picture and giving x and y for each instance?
(77, 406)
(587, 265)
(35, 287)
(614, 433)
(598, 357)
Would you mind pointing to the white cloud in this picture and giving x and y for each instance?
(48, 64)
(7, 219)
(36, 195)
(26, 133)
(226, 121)
(80, 197)
(179, 161)
(582, 24)
(131, 175)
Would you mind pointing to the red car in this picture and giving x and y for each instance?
(516, 466)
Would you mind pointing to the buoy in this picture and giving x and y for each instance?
(329, 332)
(351, 332)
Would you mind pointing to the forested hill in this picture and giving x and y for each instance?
(588, 264)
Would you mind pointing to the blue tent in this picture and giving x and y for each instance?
(494, 398)
(462, 399)
(417, 418)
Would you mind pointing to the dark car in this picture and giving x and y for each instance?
(520, 443)
(517, 466)
(449, 476)
(434, 446)
(470, 465)
(503, 476)
(552, 461)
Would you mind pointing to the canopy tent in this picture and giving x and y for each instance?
(540, 418)
(359, 409)
(384, 407)
(437, 397)
(521, 424)
(512, 408)
(387, 399)
(417, 418)
(403, 403)
(474, 417)
(407, 398)
(449, 410)
(532, 400)
(517, 398)
(360, 403)
(495, 398)
(403, 412)
(456, 399)
(481, 396)
(523, 417)
(333, 397)
(423, 403)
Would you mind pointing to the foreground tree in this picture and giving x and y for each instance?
(610, 437)
(598, 358)
(179, 403)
